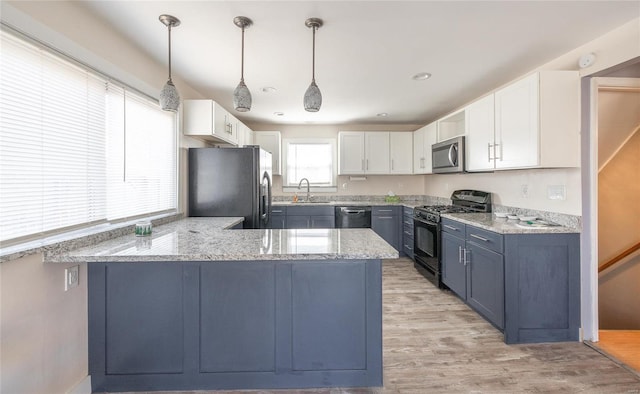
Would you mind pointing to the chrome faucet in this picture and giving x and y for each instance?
(308, 187)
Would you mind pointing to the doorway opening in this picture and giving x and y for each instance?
(614, 180)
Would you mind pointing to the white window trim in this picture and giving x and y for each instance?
(315, 189)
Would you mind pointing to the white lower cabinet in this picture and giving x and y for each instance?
(423, 138)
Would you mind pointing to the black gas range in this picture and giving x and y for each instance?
(426, 229)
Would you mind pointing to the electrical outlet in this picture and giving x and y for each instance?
(71, 277)
(524, 191)
(556, 192)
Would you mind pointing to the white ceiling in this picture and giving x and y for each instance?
(366, 52)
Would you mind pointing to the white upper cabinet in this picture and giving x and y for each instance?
(423, 138)
(537, 121)
(245, 135)
(376, 152)
(480, 145)
(271, 142)
(206, 119)
(452, 126)
(532, 123)
(401, 152)
(351, 158)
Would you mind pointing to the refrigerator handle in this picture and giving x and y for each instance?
(266, 205)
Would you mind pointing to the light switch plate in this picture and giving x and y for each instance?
(556, 192)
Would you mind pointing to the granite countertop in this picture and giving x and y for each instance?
(409, 204)
(209, 239)
(489, 221)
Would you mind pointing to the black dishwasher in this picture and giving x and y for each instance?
(353, 217)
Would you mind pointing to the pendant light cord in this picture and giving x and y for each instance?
(313, 57)
(242, 58)
(169, 26)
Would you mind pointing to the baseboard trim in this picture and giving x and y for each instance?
(84, 387)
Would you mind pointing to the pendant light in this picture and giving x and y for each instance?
(313, 97)
(242, 95)
(169, 96)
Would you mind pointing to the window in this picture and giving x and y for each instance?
(313, 159)
(60, 146)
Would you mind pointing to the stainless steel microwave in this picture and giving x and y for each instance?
(448, 156)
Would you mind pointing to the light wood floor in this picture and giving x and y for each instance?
(623, 345)
(433, 343)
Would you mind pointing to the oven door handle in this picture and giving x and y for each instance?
(424, 221)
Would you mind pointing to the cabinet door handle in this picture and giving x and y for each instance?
(367, 164)
(408, 233)
(407, 222)
(422, 162)
(408, 247)
(489, 145)
(479, 237)
(464, 256)
(451, 227)
(460, 254)
(391, 164)
(494, 151)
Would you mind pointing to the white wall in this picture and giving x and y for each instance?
(373, 185)
(506, 188)
(43, 330)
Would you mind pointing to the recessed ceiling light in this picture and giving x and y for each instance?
(278, 113)
(382, 114)
(268, 89)
(421, 76)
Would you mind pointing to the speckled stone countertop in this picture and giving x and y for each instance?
(409, 204)
(489, 221)
(209, 239)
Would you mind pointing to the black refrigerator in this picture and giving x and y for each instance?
(231, 182)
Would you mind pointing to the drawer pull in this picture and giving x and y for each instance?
(407, 232)
(451, 227)
(276, 211)
(479, 237)
(385, 210)
(385, 217)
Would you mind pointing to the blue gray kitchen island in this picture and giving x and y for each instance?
(196, 306)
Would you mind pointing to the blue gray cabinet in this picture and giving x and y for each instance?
(310, 216)
(235, 325)
(454, 272)
(542, 287)
(386, 222)
(278, 217)
(407, 232)
(527, 285)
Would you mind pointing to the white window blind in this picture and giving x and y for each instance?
(51, 142)
(75, 149)
(141, 156)
(311, 159)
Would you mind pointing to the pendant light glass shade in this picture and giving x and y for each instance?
(169, 96)
(313, 97)
(242, 95)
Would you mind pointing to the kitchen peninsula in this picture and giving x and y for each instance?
(200, 306)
